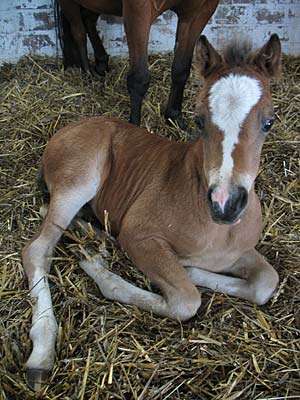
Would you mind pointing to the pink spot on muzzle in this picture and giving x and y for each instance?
(227, 203)
(220, 195)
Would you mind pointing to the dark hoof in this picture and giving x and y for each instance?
(37, 378)
(135, 120)
(177, 122)
(95, 75)
(91, 74)
(175, 119)
(181, 124)
(101, 69)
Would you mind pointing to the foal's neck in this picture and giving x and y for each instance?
(185, 169)
(195, 159)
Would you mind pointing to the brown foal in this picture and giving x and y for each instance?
(185, 213)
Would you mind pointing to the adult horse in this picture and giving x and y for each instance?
(186, 213)
(81, 18)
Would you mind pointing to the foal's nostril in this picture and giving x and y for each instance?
(216, 208)
(226, 207)
(209, 193)
(214, 205)
(239, 199)
(243, 198)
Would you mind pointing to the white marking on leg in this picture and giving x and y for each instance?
(37, 260)
(44, 326)
(230, 101)
(229, 285)
(116, 288)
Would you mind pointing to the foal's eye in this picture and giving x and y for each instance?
(267, 124)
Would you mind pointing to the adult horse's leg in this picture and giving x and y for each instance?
(137, 22)
(188, 30)
(65, 203)
(101, 57)
(253, 279)
(72, 13)
(69, 48)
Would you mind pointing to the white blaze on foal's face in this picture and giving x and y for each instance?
(231, 98)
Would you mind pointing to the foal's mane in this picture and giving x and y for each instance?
(238, 52)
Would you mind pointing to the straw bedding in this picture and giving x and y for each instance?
(105, 350)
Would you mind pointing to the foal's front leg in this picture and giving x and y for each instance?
(253, 279)
(180, 298)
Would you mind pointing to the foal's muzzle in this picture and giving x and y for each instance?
(229, 211)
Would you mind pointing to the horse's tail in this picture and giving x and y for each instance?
(41, 184)
(69, 48)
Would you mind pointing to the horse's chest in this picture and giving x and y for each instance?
(216, 261)
(214, 253)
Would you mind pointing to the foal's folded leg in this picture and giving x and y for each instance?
(253, 279)
(178, 305)
(114, 287)
(180, 298)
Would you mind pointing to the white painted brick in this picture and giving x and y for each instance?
(28, 27)
(19, 5)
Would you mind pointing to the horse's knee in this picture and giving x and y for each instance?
(266, 286)
(34, 251)
(185, 306)
(37, 253)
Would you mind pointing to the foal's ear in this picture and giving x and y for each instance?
(268, 58)
(206, 57)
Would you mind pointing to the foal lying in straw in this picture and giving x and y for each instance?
(185, 213)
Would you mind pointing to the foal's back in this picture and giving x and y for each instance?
(129, 162)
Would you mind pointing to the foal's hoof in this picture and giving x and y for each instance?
(37, 378)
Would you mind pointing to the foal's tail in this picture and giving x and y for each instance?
(41, 184)
(70, 51)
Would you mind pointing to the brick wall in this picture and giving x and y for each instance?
(28, 27)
